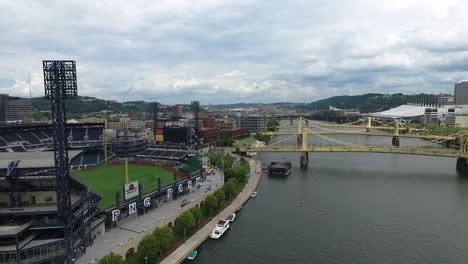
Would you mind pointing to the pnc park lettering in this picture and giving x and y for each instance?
(132, 208)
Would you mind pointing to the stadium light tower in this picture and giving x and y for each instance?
(155, 110)
(195, 105)
(60, 84)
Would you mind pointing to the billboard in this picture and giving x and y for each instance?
(176, 134)
(130, 190)
(158, 135)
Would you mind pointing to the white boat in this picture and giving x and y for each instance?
(231, 217)
(221, 227)
(253, 195)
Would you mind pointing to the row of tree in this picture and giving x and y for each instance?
(221, 161)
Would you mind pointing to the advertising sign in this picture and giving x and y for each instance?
(189, 185)
(181, 188)
(169, 193)
(131, 190)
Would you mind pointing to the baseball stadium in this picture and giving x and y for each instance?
(100, 166)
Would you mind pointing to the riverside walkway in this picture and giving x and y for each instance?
(180, 254)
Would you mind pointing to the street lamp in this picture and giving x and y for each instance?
(146, 260)
(185, 237)
(211, 209)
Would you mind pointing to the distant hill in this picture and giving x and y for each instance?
(365, 103)
(86, 104)
(254, 105)
(369, 102)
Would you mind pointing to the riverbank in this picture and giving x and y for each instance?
(199, 237)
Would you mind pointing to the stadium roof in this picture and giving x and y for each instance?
(43, 159)
(402, 111)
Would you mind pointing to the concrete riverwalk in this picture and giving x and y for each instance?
(199, 237)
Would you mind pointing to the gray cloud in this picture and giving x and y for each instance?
(238, 51)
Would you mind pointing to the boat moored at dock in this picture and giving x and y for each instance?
(221, 227)
(280, 168)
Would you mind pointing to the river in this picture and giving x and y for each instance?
(352, 208)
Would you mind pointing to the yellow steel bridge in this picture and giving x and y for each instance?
(302, 130)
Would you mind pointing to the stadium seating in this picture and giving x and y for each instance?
(29, 137)
(94, 133)
(164, 154)
(11, 137)
(78, 134)
(40, 134)
(89, 158)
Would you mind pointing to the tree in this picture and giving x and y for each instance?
(272, 124)
(164, 236)
(197, 214)
(184, 221)
(211, 202)
(231, 187)
(111, 259)
(149, 247)
(219, 196)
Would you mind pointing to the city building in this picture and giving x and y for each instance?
(445, 100)
(15, 109)
(208, 122)
(457, 116)
(253, 123)
(461, 93)
(209, 135)
(177, 110)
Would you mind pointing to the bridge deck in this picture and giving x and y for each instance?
(363, 133)
(374, 149)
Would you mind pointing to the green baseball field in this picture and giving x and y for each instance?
(106, 180)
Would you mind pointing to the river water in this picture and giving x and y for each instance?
(352, 208)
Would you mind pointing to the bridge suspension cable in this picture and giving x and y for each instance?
(331, 139)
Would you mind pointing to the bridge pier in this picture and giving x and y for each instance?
(299, 139)
(304, 159)
(462, 165)
(395, 141)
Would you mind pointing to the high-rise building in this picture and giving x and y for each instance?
(253, 123)
(15, 109)
(461, 93)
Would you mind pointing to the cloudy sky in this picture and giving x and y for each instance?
(176, 51)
